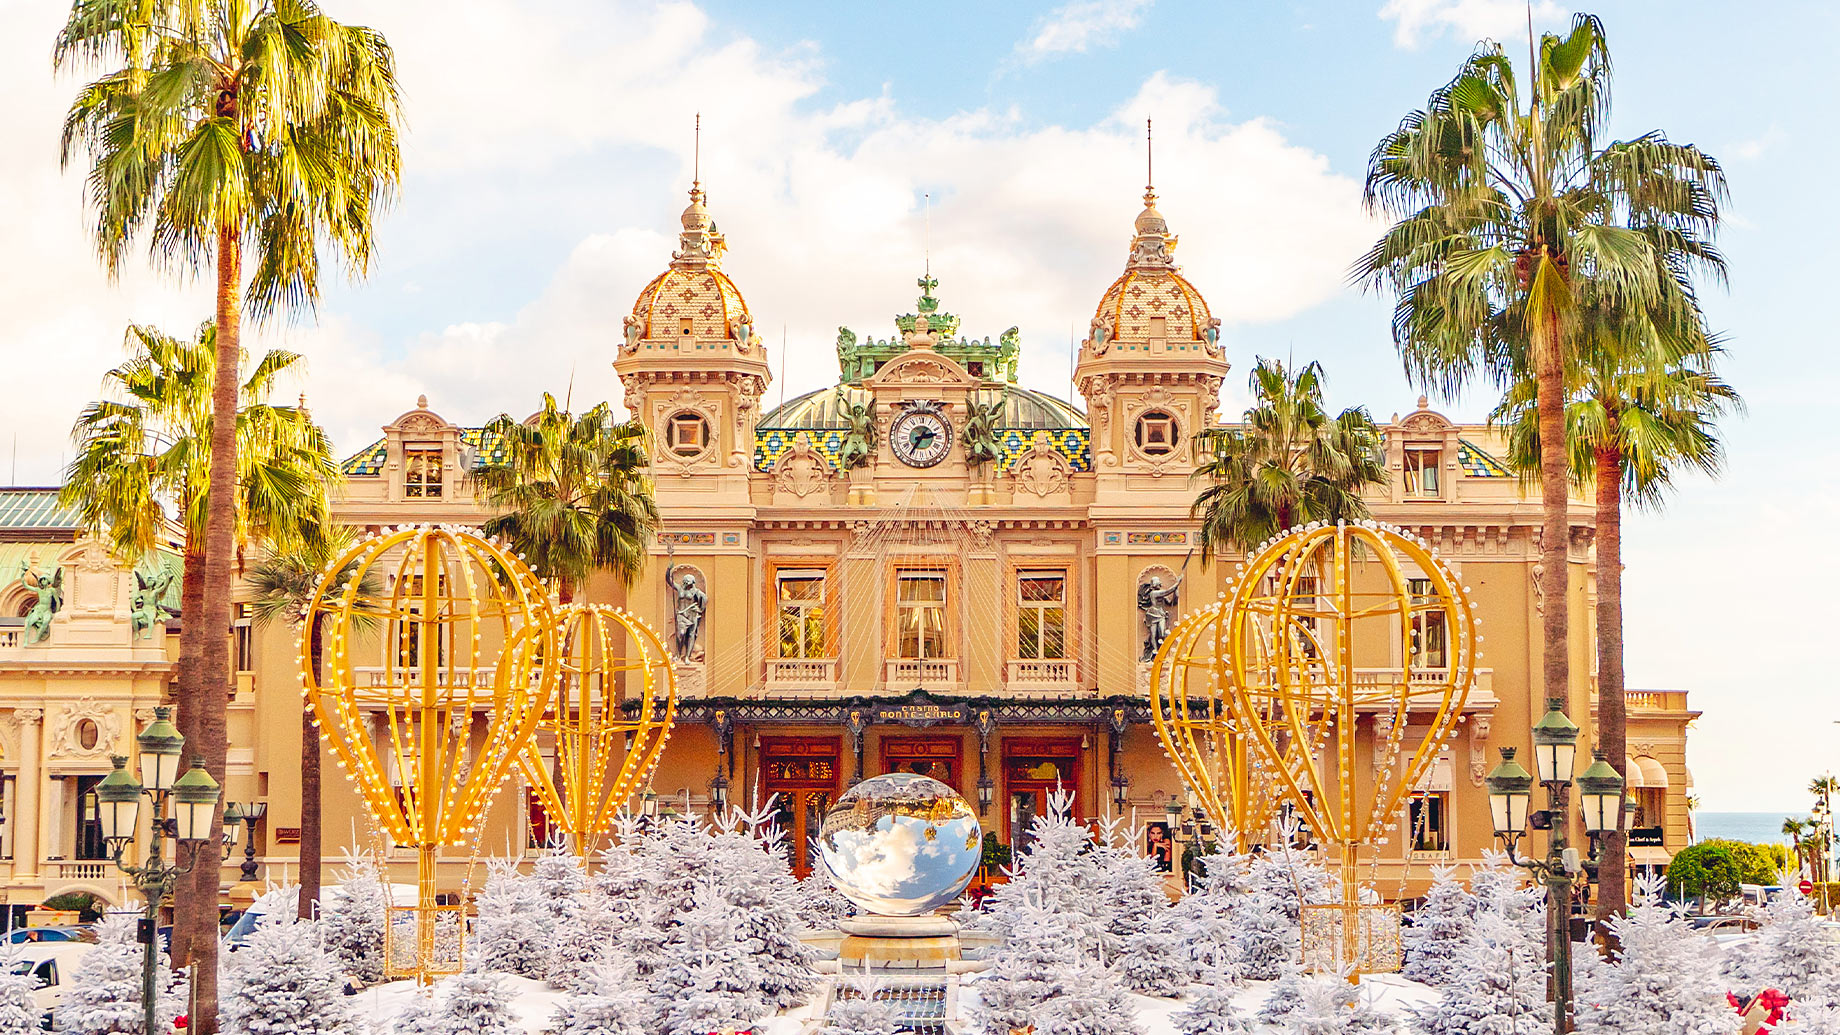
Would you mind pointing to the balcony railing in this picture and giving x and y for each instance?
(901, 673)
(801, 672)
(12, 638)
(1655, 700)
(1043, 674)
(81, 869)
(1483, 693)
(378, 676)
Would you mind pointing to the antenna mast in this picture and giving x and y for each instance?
(926, 234)
(696, 166)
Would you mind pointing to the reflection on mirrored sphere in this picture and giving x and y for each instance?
(900, 844)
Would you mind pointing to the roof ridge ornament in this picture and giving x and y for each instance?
(700, 245)
(1153, 246)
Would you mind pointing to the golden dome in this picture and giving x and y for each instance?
(1151, 287)
(692, 288)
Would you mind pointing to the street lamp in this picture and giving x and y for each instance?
(986, 790)
(1555, 745)
(718, 794)
(118, 800)
(250, 813)
(1121, 791)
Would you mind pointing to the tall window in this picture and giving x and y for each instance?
(1429, 815)
(920, 602)
(244, 644)
(422, 473)
(1041, 614)
(1422, 469)
(1430, 644)
(801, 614)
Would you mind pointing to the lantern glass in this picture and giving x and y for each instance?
(232, 816)
(195, 800)
(1600, 795)
(1555, 744)
(986, 789)
(160, 747)
(193, 820)
(118, 802)
(1508, 787)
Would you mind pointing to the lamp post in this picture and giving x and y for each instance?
(1555, 739)
(118, 803)
(250, 813)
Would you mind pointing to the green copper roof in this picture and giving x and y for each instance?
(859, 359)
(368, 462)
(1023, 408)
(34, 508)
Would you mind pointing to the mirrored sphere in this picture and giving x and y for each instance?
(900, 844)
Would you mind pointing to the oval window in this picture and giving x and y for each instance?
(88, 734)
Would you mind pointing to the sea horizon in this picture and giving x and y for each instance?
(1755, 827)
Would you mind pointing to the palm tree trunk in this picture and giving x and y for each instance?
(311, 851)
(198, 892)
(1555, 505)
(186, 671)
(1612, 718)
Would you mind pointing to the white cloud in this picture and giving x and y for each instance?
(1419, 20)
(1752, 149)
(821, 204)
(1081, 26)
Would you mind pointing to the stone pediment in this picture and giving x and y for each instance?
(922, 367)
(421, 422)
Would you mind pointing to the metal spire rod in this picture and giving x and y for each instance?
(926, 235)
(1149, 159)
(696, 166)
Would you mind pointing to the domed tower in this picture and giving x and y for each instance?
(694, 369)
(1150, 370)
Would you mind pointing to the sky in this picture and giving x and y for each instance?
(549, 149)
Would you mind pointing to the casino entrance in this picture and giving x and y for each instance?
(801, 775)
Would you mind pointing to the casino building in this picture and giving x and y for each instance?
(925, 567)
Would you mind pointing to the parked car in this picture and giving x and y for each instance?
(286, 901)
(51, 964)
(25, 935)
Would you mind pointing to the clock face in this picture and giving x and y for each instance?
(920, 439)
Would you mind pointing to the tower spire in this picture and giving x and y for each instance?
(926, 235)
(1149, 160)
(696, 161)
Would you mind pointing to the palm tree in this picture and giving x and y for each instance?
(1794, 829)
(1645, 406)
(1506, 201)
(1288, 462)
(572, 493)
(284, 582)
(237, 135)
(150, 446)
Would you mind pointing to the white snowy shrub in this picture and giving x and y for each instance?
(1058, 871)
(1434, 938)
(417, 1016)
(1042, 975)
(285, 983)
(760, 890)
(19, 1013)
(473, 1004)
(558, 878)
(513, 928)
(581, 945)
(103, 993)
(1664, 982)
(1327, 1004)
(352, 922)
(1210, 1011)
(1140, 937)
(1205, 916)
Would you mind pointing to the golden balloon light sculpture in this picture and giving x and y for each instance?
(607, 659)
(426, 694)
(1200, 732)
(1327, 626)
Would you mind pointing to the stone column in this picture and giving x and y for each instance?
(26, 788)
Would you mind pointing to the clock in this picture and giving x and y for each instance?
(920, 437)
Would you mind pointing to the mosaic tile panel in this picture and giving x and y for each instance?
(770, 443)
(1073, 443)
(1478, 464)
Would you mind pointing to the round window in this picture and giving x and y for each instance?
(88, 734)
(1156, 433)
(687, 434)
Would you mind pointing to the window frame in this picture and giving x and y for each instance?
(686, 418)
(1413, 468)
(1442, 837)
(1018, 574)
(947, 570)
(777, 577)
(416, 464)
(1422, 622)
(1153, 418)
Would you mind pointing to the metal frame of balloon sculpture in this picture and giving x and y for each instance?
(1265, 716)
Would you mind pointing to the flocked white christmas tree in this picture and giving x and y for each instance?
(710, 977)
(1328, 1004)
(19, 1013)
(1140, 936)
(102, 994)
(284, 983)
(1434, 938)
(1042, 974)
(1794, 952)
(1498, 986)
(1664, 982)
(758, 886)
(474, 1004)
(1211, 1010)
(581, 945)
(607, 1001)
(351, 922)
(514, 928)
(1058, 871)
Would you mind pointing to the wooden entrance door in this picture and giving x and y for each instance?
(800, 773)
(937, 757)
(1033, 769)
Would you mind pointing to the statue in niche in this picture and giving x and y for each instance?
(859, 441)
(689, 605)
(981, 432)
(150, 601)
(48, 593)
(1157, 605)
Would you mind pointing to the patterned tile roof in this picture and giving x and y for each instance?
(1479, 464)
(34, 508)
(368, 462)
